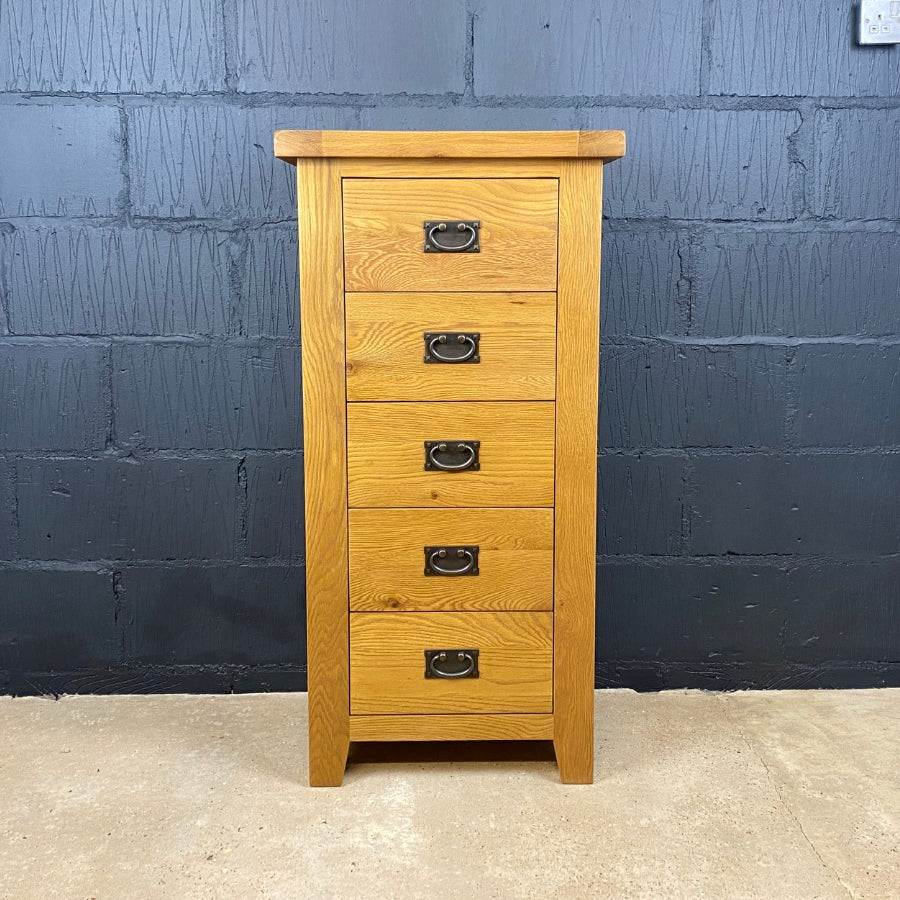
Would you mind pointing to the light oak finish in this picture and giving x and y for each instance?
(384, 237)
(578, 349)
(386, 454)
(289, 145)
(368, 293)
(450, 168)
(515, 727)
(387, 561)
(385, 346)
(387, 663)
(325, 463)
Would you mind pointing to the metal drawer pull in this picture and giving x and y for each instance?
(451, 663)
(437, 345)
(452, 231)
(468, 556)
(457, 455)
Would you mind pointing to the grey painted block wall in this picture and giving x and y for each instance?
(151, 449)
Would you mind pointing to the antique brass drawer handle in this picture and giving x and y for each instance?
(462, 347)
(465, 560)
(455, 456)
(451, 663)
(459, 237)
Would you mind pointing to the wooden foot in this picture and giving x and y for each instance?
(575, 761)
(326, 765)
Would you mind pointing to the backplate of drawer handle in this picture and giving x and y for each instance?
(452, 456)
(452, 347)
(456, 236)
(451, 663)
(453, 560)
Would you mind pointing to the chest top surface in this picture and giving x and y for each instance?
(605, 145)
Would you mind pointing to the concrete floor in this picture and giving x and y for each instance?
(783, 794)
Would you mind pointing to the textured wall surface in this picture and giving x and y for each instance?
(151, 461)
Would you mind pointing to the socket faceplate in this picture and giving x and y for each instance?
(879, 22)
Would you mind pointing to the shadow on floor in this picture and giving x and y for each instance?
(450, 751)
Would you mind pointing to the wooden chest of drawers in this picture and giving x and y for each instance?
(450, 333)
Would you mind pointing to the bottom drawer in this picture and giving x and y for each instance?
(388, 665)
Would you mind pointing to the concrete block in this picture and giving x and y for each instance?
(111, 46)
(52, 396)
(689, 611)
(228, 615)
(665, 395)
(270, 287)
(275, 506)
(52, 618)
(8, 517)
(78, 279)
(758, 49)
(843, 610)
(809, 283)
(72, 169)
(581, 48)
(207, 396)
(766, 614)
(848, 396)
(700, 163)
(857, 160)
(208, 161)
(123, 509)
(355, 47)
(639, 504)
(643, 277)
(842, 504)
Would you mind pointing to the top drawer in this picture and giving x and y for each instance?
(384, 236)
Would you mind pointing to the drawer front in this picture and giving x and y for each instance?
(386, 454)
(387, 662)
(384, 236)
(386, 347)
(387, 559)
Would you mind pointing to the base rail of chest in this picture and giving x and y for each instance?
(516, 727)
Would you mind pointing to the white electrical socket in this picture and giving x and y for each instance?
(879, 22)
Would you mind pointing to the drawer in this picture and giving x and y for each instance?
(386, 454)
(386, 347)
(384, 235)
(387, 662)
(387, 559)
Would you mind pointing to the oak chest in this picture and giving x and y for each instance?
(450, 332)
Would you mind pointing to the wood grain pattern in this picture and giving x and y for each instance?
(387, 560)
(578, 331)
(385, 347)
(515, 727)
(605, 145)
(290, 145)
(386, 455)
(387, 662)
(383, 234)
(537, 428)
(449, 168)
(322, 322)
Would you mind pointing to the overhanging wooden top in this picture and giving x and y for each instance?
(294, 145)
